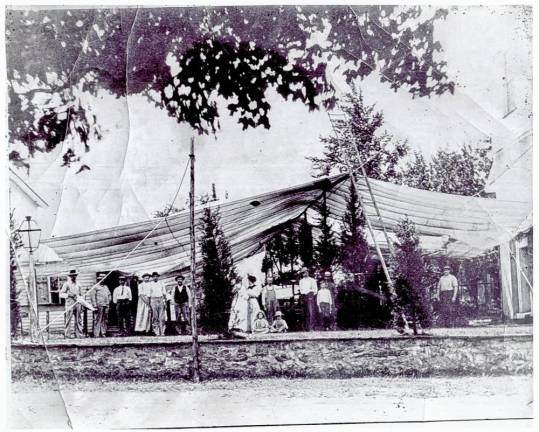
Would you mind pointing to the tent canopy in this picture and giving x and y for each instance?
(448, 224)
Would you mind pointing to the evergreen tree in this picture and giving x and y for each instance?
(379, 152)
(354, 249)
(305, 242)
(325, 249)
(217, 272)
(409, 271)
(14, 243)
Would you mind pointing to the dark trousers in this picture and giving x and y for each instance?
(325, 314)
(446, 309)
(308, 310)
(123, 310)
(183, 318)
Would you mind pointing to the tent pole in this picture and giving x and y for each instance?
(194, 329)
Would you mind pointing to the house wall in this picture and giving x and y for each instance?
(515, 259)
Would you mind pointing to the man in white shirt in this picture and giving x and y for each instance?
(157, 294)
(324, 300)
(307, 290)
(446, 294)
(121, 297)
(71, 291)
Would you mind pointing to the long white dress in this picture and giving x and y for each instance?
(239, 310)
(253, 292)
(143, 322)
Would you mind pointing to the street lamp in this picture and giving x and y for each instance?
(30, 235)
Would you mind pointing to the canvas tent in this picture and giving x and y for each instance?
(450, 224)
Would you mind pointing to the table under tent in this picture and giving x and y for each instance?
(451, 225)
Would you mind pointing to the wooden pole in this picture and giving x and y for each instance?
(194, 329)
(33, 298)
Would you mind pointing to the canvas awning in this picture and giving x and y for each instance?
(456, 225)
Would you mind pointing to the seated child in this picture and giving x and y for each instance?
(279, 324)
(261, 325)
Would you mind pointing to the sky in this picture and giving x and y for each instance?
(137, 166)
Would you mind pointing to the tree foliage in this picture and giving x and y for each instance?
(359, 128)
(409, 273)
(354, 249)
(305, 242)
(15, 242)
(183, 59)
(325, 248)
(217, 272)
(462, 172)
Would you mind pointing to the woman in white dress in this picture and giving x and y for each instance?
(253, 292)
(143, 322)
(239, 309)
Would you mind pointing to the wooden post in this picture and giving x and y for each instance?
(194, 329)
(33, 299)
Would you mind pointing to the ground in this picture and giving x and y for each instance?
(267, 401)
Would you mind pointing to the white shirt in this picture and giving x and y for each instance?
(324, 296)
(448, 283)
(155, 289)
(121, 292)
(307, 285)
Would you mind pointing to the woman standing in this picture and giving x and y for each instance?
(253, 292)
(143, 322)
(239, 310)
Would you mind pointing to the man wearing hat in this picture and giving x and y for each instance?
(71, 291)
(157, 294)
(121, 297)
(446, 294)
(182, 303)
(101, 302)
(308, 290)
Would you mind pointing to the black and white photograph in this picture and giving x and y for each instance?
(239, 215)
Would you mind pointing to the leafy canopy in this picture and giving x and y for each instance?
(184, 59)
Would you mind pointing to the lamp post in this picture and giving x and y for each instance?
(30, 235)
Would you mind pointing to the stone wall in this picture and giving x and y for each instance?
(447, 356)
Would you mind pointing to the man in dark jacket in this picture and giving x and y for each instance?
(182, 302)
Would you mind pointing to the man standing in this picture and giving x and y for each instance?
(71, 291)
(308, 289)
(122, 298)
(269, 300)
(182, 302)
(157, 294)
(101, 302)
(446, 294)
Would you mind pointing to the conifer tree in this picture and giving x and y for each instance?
(305, 242)
(409, 271)
(217, 272)
(354, 248)
(325, 249)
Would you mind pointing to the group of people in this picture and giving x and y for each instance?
(158, 306)
(255, 309)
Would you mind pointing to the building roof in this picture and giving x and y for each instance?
(27, 189)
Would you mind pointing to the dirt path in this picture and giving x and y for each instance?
(277, 401)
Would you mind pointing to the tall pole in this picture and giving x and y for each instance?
(194, 329)
(34, 314)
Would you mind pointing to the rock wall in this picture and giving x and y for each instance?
(450, 356)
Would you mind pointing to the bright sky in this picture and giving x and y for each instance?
(137, 167)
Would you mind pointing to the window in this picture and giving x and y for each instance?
(54, 285)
